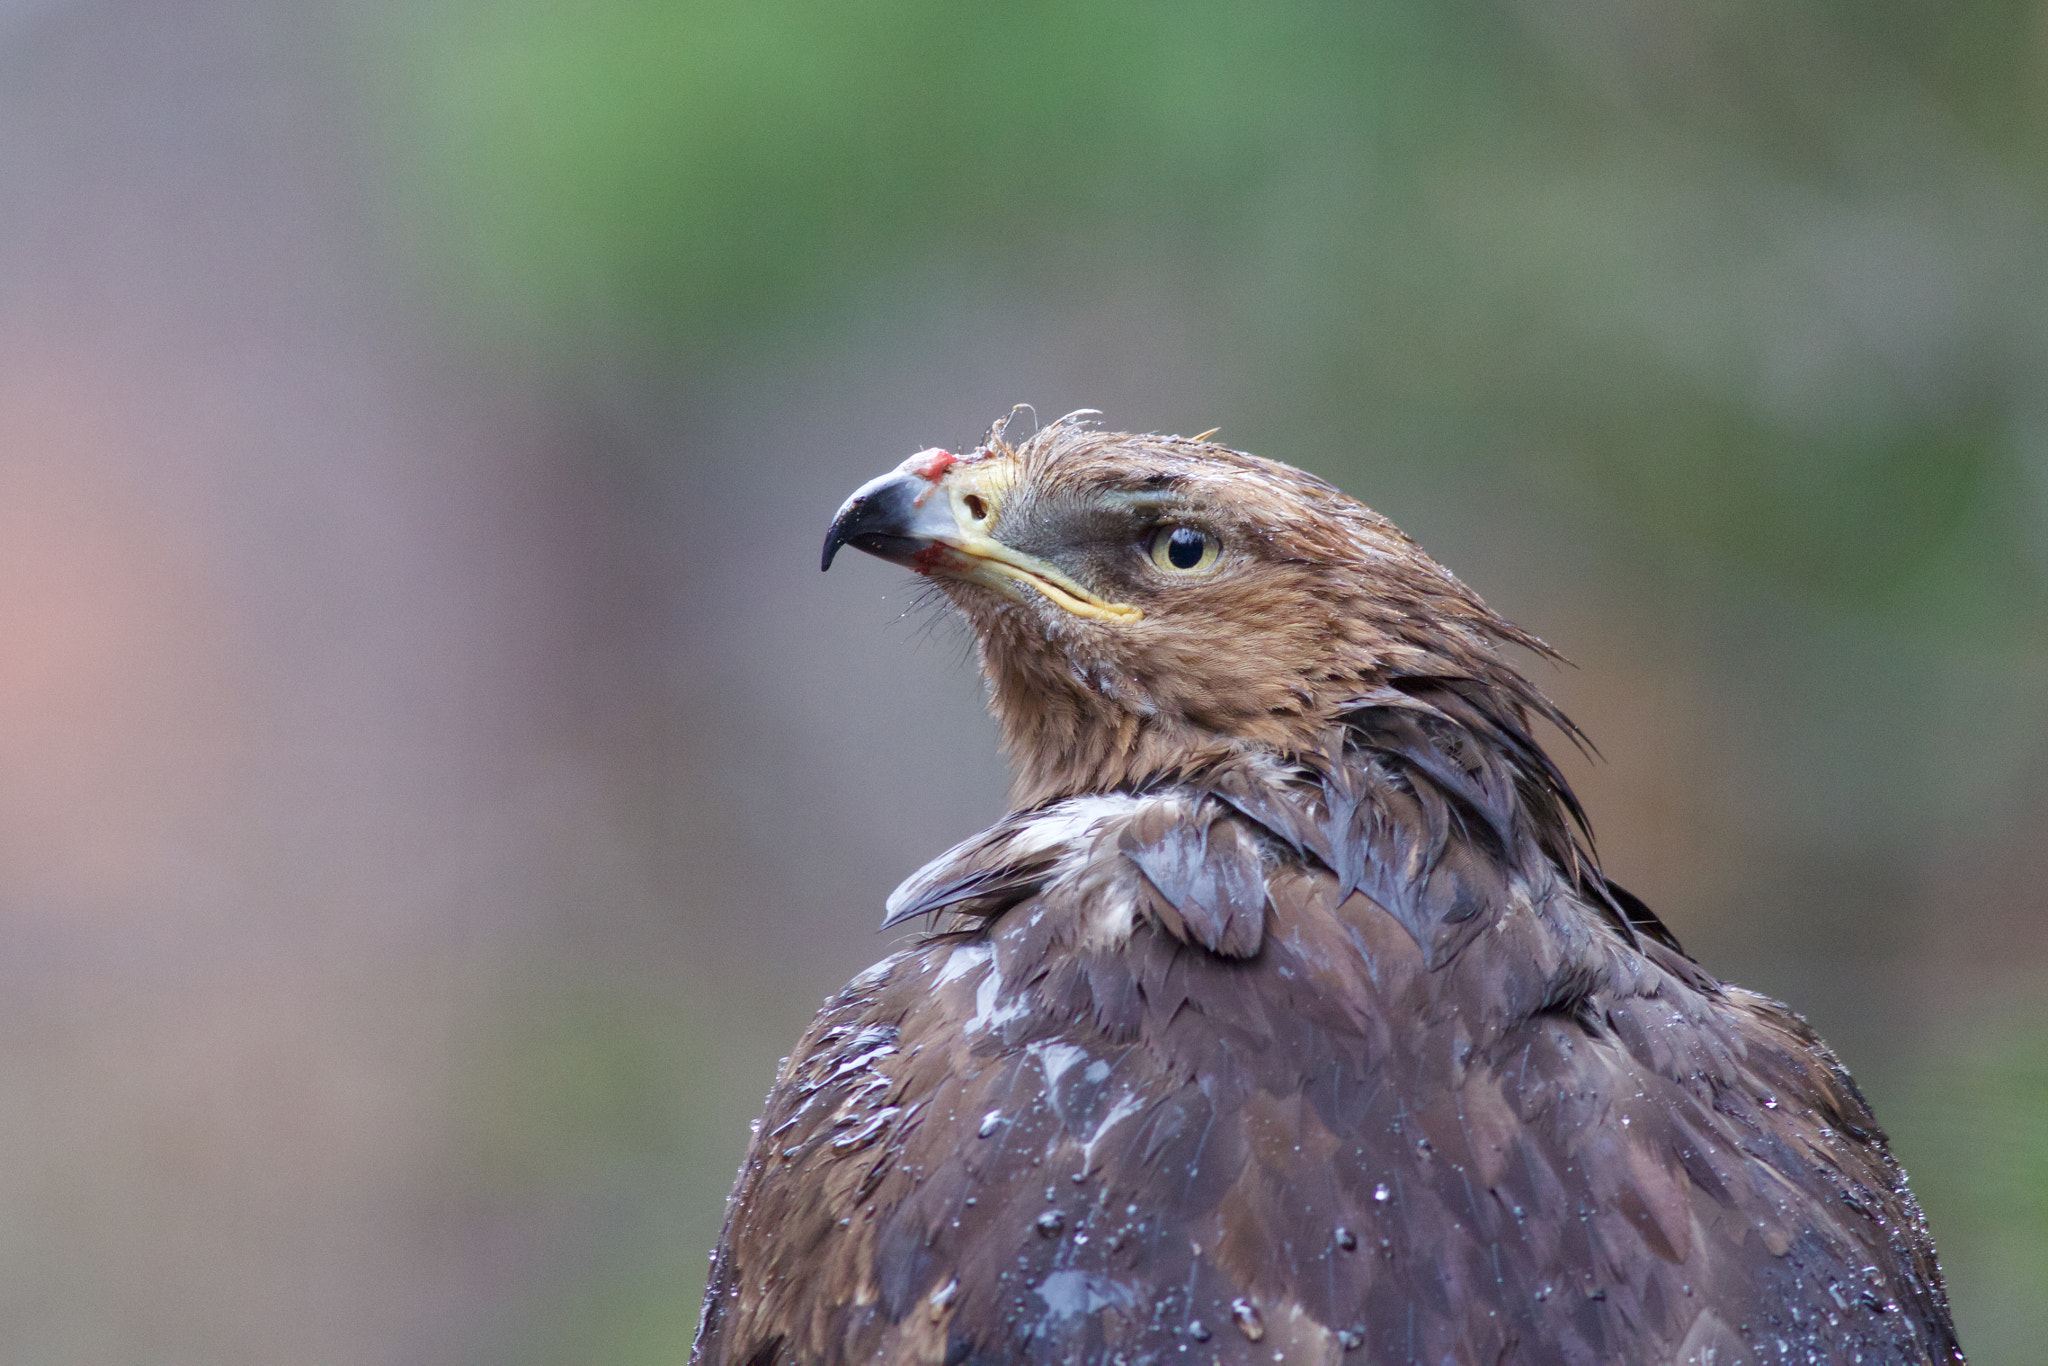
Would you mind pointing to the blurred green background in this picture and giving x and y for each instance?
(435, 785)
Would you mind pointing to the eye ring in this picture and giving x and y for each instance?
(1181, 549)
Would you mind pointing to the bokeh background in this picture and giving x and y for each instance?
(436, 783)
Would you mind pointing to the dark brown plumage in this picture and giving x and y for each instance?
(1288, 1017)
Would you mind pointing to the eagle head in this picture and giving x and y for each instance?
(1150, 606)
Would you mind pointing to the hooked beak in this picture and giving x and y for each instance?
(932, 514)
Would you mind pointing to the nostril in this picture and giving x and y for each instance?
(976, 508)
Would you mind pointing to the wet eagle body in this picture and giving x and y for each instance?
(1288, 1016)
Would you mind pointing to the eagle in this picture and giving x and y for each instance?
(1288, 1015)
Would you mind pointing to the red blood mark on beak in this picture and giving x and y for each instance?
(929, 559)
(933, 463)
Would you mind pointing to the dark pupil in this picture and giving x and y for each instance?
(1184, 547)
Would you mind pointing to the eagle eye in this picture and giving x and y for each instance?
(1183, 549)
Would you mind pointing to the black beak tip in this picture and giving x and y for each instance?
(879, 518)
(845, 526)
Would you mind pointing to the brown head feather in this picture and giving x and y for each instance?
(1315, 602)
